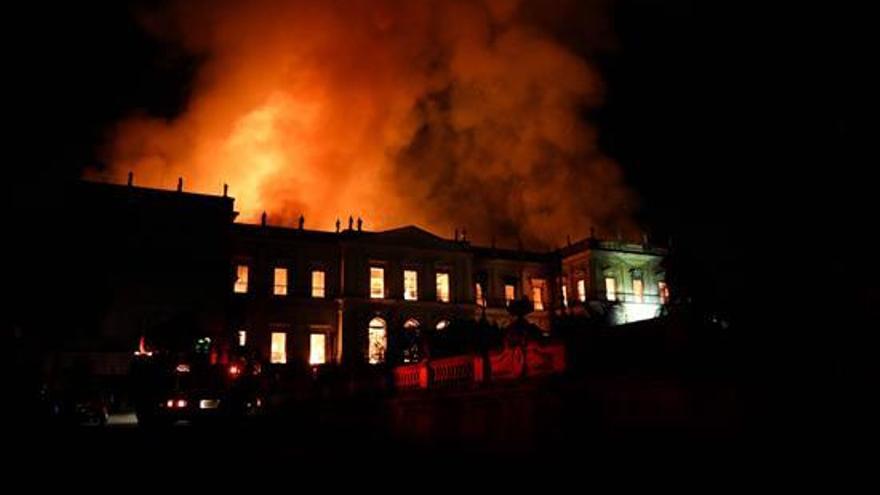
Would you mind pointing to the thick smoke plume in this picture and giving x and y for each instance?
(453, 114)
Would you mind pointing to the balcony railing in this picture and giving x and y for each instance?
(469, 370)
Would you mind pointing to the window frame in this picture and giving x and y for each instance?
(383, 293)
(415, 295)
(247, 278)
(276, 285)
(323, 294)
(448, 277)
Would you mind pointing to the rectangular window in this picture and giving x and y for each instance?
(639, 290)
(411, 285)
(582, 290)
(318, 348)
(610, 288)
(663, 289)
(278, 348)
(509, 293)
(280, 288)
(377, 282)
(564, 295)
(538, 294)
(478, 288)
(241, 279)
(443, 287)
(242, 338)
(537, 299)
(318, 283)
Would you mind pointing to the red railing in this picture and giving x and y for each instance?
(453, 370)
(509, 364)
(410, 376)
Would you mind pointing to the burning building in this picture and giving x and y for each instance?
(177, 264)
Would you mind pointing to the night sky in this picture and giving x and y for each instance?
(736, 124)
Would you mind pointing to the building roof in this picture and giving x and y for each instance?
(594, 244)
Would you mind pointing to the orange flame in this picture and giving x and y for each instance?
(441, 114)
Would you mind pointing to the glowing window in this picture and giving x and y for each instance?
(278, 348)
(378, 341)
(478, 288)
(639, 290)
(318, 283)
(241, 279)
(377, 282)
(317, 348)
(411, 285)
(509, 293)
(442, 324)
(564, 293)
(443, 287)
(610, 288)
(538, 294)
(280, 288)
(582, 290)
(663, 289)
(242, 338)
(412, 352)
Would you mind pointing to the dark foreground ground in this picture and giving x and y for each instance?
(537, 426)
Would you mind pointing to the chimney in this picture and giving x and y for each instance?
(337, 225)
(130, 178)
(225, 190)
(263, 219)
(360, 224)
(302, 221)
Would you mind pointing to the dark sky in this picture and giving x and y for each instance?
(737, 124)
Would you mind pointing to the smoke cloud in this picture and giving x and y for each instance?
(453, 114)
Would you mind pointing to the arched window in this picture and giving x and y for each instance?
(412, 352)
(378, 341)
(442, 324)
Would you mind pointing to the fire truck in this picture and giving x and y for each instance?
(197, 382)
